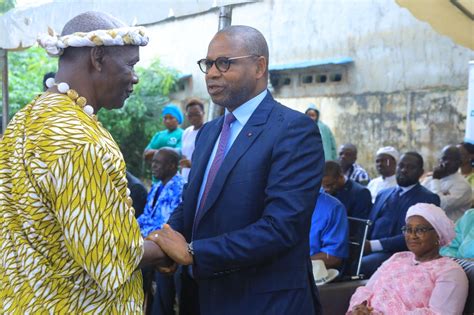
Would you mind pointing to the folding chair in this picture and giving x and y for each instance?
(358, 230)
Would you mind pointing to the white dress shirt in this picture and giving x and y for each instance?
(242, 115)
(454, 192)
(379, 183)
(187, 148)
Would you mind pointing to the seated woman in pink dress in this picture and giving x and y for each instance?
(419, 281)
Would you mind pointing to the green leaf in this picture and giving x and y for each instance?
(131, 126)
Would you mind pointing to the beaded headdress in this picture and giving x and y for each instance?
(55, 44)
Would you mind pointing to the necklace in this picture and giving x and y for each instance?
(73, 95)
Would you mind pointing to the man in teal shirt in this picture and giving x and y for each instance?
(171, 136)
(329, 143)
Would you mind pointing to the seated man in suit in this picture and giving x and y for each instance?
(388, 213)
(163, 198)
(329, 233)
(355, 197)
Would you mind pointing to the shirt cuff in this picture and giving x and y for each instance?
(376, 246)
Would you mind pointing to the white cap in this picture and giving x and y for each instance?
(389, 151)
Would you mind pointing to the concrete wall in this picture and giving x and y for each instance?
(420, 120)
(407, 85)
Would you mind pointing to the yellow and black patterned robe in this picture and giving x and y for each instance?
(69, 242)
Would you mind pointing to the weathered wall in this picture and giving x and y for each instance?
(420, 120)
(407, 85)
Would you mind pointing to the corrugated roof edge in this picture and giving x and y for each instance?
(311, 64)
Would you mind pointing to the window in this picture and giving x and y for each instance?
(321, 78)
(335, 77)
(278, 81)
(307, 79)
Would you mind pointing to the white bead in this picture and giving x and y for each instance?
(63, 87)
(89, 110)
(128, 192)
(50, 82)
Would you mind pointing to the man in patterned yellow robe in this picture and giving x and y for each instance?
(69, 242)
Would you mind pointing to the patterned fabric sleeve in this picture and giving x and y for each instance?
(99, 228)
(366, 292)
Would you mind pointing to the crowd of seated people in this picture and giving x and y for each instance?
(388, 212)
(402, 242)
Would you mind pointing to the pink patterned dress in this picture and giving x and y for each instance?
(404, 286)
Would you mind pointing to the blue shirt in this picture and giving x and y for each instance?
(242, 115)
(329, 231)
(160, 203)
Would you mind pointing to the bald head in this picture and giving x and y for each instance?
(450, 159)
(88, 22)
(249, 38)
(103, 74)
(242, 70)
(91, 21)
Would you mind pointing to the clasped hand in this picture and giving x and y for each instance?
(173, 244)
(362, 309)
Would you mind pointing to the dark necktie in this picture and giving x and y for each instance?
(217, 162)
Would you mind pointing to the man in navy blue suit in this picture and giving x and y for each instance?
(388, 213)
(242, 230)
(355, 197)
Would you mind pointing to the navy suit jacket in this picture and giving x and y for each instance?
(386, 225)
(251, 245)
(356, 198)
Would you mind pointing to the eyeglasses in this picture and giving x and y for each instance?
(222, 63)
(419, 230)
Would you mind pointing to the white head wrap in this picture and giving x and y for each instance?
(55, 44)
(437, 218)
(389, 151)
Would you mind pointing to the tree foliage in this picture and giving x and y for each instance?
(6, 5)
(134, 125)
(25, 75)
(131, 126)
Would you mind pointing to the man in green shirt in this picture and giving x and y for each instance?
(329, 143)
(171, 136)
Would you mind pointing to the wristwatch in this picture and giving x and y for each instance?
(190, 248)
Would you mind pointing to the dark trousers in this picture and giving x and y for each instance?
(189, 295)
(165, 295)
(162, 302)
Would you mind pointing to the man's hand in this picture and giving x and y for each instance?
(185, 163)
(362, 309)
(169, 270)
(173, 244)
(148, 155)
(439, 172)
(367, 248)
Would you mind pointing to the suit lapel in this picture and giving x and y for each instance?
(242, 143)
(407, 197)
(204, 146)
(385, 197)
